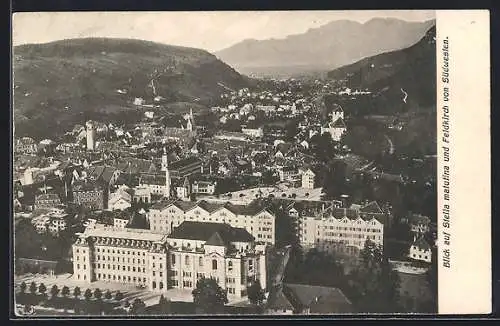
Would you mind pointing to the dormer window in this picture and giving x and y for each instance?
(214, 264)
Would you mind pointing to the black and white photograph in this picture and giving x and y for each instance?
(231, 163)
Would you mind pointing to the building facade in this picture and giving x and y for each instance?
(194, 250)
(339, 229)
(89, 195)
(258, 221)
(308, 177)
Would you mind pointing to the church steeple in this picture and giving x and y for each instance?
(167, 179)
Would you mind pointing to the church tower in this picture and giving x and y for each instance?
(190, 123)
(167, 178)
(164, 161)
(90, 136)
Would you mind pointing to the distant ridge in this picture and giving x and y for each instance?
(327, 47)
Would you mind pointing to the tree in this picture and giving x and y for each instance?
(23, 287)
(118, 296)
(108, 295)
(54, 291)
(77, 292)
(42, 289)
(256, 293)
(33, 287)
(97, 294)
(373, 286)
(138, 307)
(88, 294)
(165, 305)
(65, 291)
(208, 296)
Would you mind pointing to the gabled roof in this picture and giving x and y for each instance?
(421, 244)
(206, 231)
(319, 299)
(372, 208)
(339, 123)
(215, 240)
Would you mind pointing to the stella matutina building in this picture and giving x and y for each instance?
(159, 262)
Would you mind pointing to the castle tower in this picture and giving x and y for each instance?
(90, 136)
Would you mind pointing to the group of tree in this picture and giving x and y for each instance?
(209, 297)
(373, 286)
(41, 289)
(327, 270)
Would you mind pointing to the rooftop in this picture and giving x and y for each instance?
(213, 233)
(129, 234)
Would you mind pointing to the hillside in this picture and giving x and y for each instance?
(412, 70)
(403, 91)
(57, 84)
(330, 46)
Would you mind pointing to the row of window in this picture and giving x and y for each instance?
(124, 278)
(118, 251)
(124, 268)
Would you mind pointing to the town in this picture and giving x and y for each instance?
(279, 196)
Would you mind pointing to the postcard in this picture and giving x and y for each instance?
(250, 163)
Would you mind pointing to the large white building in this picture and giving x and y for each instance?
(163, 217)
(339, 229)
(194, 250)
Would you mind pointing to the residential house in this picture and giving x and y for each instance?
(301, 299)
(421, 250)
(203, 187)
(49, 200)
(120, 199)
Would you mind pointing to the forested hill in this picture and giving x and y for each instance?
(55, 83)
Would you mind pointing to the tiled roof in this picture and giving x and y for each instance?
(215, 232)
(372, 208)
(184, 162)
(339, 123)
(320, 299)
(421, 244)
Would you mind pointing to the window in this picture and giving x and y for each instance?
(173, 259)
(200, 261)
(214, 264)
(161, 274)
(230, 265)
(161, 285)
(186, 261)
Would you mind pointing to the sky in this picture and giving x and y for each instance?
(211, 31)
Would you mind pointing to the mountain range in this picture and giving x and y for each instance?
(328, 47)
(96, 78)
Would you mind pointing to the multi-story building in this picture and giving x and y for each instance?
(49, 200)
(89, 195)
(203, 187)
(57, 224)
(185, 167)
(420, 250)
(339, 229)
(308, 177)
(25, 145)
(155, 182)
(194, 250)
(103, 253)
(164, 217)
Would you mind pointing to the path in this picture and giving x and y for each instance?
(391, 144)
